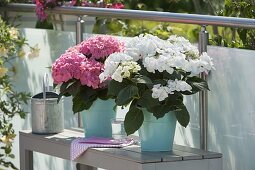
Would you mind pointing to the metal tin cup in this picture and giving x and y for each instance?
(47, 113)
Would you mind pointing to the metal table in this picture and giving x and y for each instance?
(129, 158)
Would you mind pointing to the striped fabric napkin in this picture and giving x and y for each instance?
(80, 145)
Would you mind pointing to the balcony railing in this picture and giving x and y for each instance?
(203, 20)
(141, 15)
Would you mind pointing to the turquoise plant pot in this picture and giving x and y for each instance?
(97, 120)
(157, 134)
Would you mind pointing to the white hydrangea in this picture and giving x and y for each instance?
(161, 92)
(176, 52)
(183, 45)
(206, 62)
(157, 55)
(196, 66)
(111, 65)
(140, 47)
(125, 69)
(178, 85)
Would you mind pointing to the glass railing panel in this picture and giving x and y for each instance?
(231, 107)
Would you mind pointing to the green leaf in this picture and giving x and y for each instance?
(7, 150)
(197, 84)
(102, 94)
(141, 79)
(126, 95)
(12, 156)
(173, 76)
(80, 105)
(160, 81)
(146, 100)
(84, 99)
(73, 88)
(172, 103)
(63, 87)
(133, 120)
(115, 87)
(183, 116)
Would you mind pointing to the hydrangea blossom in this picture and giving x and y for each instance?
(67, 66)
(161, 92)
(157, 55)
(183, 45)
(42, 5)
(203, 64)
(125, 69)
(85, 61)
(89, 73)
(112, 63)
(100, 46)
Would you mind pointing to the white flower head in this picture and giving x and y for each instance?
(34, 52)
(159, 92)
(125, 69)
(14, 33)
(3, 51)
(206, 62)
(196, 66)
(141, 47)
(111, 65)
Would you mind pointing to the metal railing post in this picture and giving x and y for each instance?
(79, 26)
(203, 95)
(79, 38)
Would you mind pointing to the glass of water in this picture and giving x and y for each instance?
(118, 131)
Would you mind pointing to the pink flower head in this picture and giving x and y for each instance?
(42, 5)
(100, 46)
(74, 49)
(117, 5)
(40, 10)
(73, 2)
(66, 67)
(90, 70)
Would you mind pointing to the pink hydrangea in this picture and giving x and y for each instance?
(117, 5)
(74, 49)
(81, 62)
(66, 67)
(41, 14)
(100, 46)
(90, 70)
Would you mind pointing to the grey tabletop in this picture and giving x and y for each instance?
(131, 153)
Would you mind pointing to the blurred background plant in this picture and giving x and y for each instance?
(238, 38)
(11, 101)
(227, 37)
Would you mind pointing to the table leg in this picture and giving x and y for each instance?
(26, 156)
(26, 160)
(84, 167)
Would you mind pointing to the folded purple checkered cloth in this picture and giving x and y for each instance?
(80, 145)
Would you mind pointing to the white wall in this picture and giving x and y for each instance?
(29, 78)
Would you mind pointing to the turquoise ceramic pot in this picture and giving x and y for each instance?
(97, 120)
(157, 134)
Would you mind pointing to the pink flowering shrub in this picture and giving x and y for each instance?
(77, 70)
(100, 47)
(42, 5)
(89, 73)
(66, 67)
